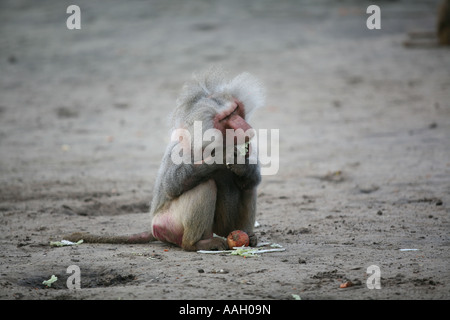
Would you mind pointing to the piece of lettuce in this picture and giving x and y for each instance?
(49, 282)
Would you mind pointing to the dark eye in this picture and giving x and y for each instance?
(225, 116)
(232, 113)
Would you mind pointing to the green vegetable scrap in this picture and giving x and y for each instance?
(245, 252)
(63, 243)
(243, 148)
(276, 245)
(49, 282)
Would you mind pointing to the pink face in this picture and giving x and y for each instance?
(232, 118)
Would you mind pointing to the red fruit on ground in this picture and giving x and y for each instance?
(238, 238)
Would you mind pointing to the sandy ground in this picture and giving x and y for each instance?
(364, 147)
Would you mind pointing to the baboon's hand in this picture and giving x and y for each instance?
(247, 175)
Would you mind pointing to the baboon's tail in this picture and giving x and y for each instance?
(143, 237)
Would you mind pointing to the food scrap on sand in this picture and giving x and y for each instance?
(346, 284)
(49, 282)
(63, 243)
(246, 251)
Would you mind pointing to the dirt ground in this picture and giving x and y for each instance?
(364, 147)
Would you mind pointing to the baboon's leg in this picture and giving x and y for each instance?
(188, 220)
